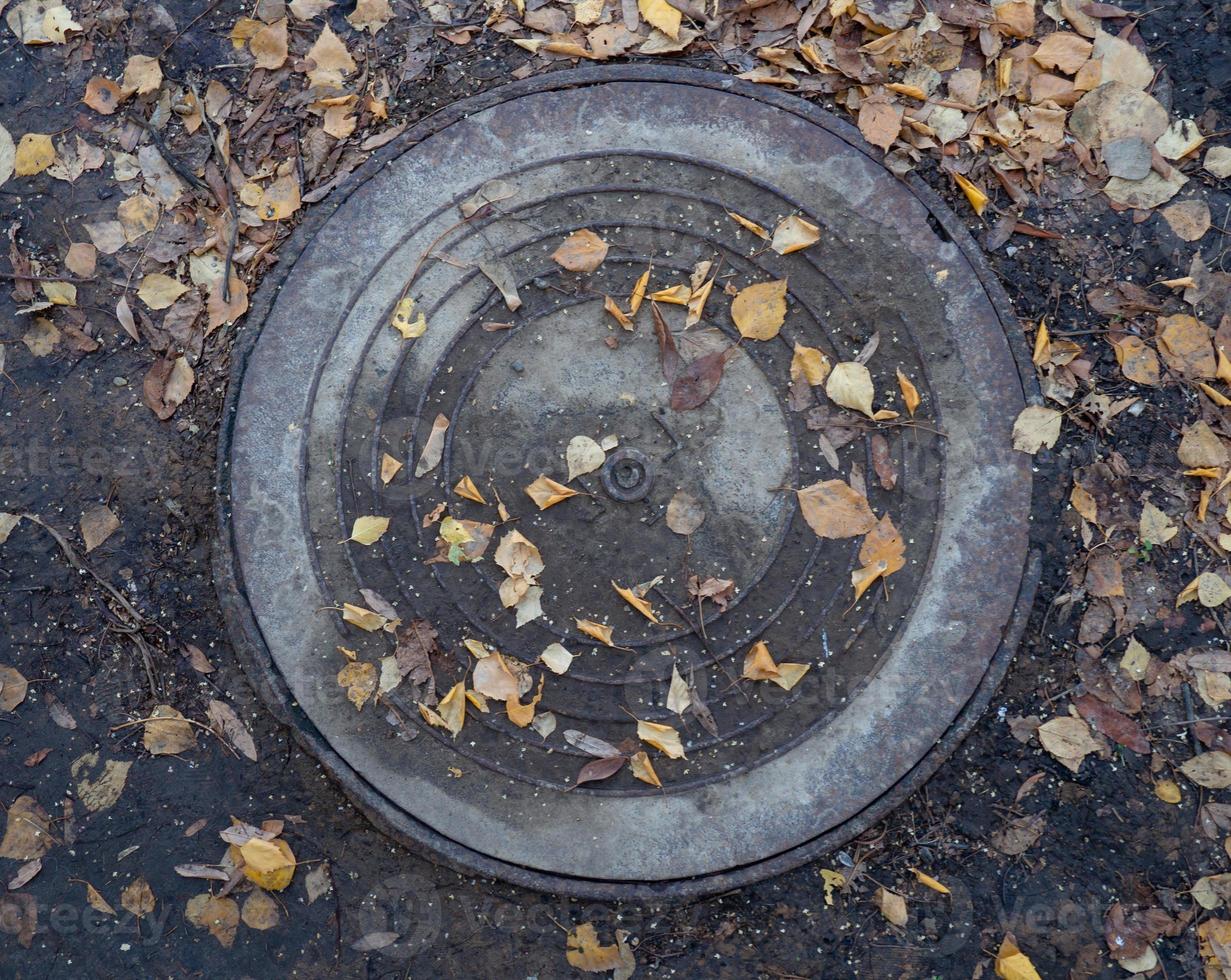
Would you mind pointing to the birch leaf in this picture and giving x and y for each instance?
(850, 385)
(433, 447)
(556, 658)
(598, 631)
(794, 234)
(546, 492)
(663, 737)
(636, 602)
(582, 251)
(368, 529)
(662, 15)
(643, 769)
(833, 509)
(759, 310)
(583, 456)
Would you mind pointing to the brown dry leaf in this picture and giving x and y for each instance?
(81, 259)
(880, 119)
(433, 447)
(882, 554)
(260, 911)
(752, 226)
(1190, 220)
(685, 513)
(1155, 526)
(1210, 769)
(269, 864)
(1068, 739)
(850, 385)
(620, 316)
(35, 153)
(389, 467)
(103, 95)
(582, 251)
(759, 310)
(1137, 361)
(637, 602)
(598, 631)
(138, 899)
(584, 952)
(138, 215)
(96, 901)
(663, 737)
(142, 75)
(546, 492)
(359, 679)
(466, 489)
(556, 658)
(27, 831)
(370, 15)
(834, 510)
(493, 678)
(794, 234)
(365, 619)
(1064, 51)
(1019, 835)
(219, 915)
(269, 45)
(220, 310)
(1104, 576)
(1184, 342)
(892, 906)
(759, 664)
(910, 394)
(522, 715)
(98, 523)
(1037, 426)
(13, 688)
(333, 62)
(166, 385)
(167, 732)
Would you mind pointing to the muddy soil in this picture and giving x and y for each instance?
(74, 432)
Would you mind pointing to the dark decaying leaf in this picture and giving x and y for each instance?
(600, 769)
(416, 642)
(699, 380)
(668, 355)
(590, 745)
(1129, 934)
(1116, 725)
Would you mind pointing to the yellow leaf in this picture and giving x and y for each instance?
(597, 630)
(401, 319)
(1042, 345)
(932, 883)
(34, 155)
(465, 488)
(794, 234)
(759, 310)
(1219, 399)
(675, 295)
(850, 385)
(368, 529)
(389, 467)
(454, 531)
(832, 879)
(546, 492)
(636, 602)
(582, 251)
(696, 303)
(810, 364)
(833, 509)
(1167, 791)
(880, 556)
(360, 680)
(520, 714)
(621, 317)
(790, 674)
(452, 713)
(365, 619)
(477, 650)
(759, 664)
(61, 293)
(556, 658)
(892, 906)
(976, 197)
(583, 951)
(96, 901)
(662, 15)
(643, 769)
(752, 226)
(663, 737)
(1013, 964)
(638, 294)
(910, 394)
(268, 863)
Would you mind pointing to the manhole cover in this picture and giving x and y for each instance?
(651, 160)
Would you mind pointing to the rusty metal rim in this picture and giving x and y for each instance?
(395, 821)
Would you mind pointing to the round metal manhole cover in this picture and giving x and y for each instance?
(653, 161)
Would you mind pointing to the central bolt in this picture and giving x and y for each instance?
(627, 475)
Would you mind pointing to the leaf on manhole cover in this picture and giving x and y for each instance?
(98, 787)
(759, 310)
(138, 898)
(582, 251)
(684, 513)
(367, 530)
(882, 554)
(167, 732)
(759, 665)
(27, 831)
(546, 492)
(794, 234)
(663, 737)
(833, 509)
(850, 385)
(219, 915)
(13, 688)
(433, 447)
(638, 602)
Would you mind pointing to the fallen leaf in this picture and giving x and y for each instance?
(850, 385)
(583, 456)
(752, 226)
(879, 120)
(809, 364)
(546, 492)
(370, 15)
(759, 310)
(96, 901)
(1155, 526)
(360, 680)
(34, 154)
(389, 467)
(269, 864)
(1137, 361)
(13, 688)
(794, 234)
(219, 915)
(97, 784)
(1012, 963)
(975, 195)
(556, 658)
(892, 906)
(684, 513)
(167, 732)
(224, 719)
(882, 554)
(1207, 588)
(400, 319)
(138, 899)
(598, 631)
(637, 602)
(27, 831)
(834, 510)
(1037, 426)
(662, 737)
(661, 15)
(582, 251)
(1068, 739)
(584, 952)
(643, 769)
(929, 881)
(1190, 220)
(367, 530)
(433, 447)
(260, 911)
(269, 45)
(331, 60)
(452, 710)
(1210, 769)
(142, 75)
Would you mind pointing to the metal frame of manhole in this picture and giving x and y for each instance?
(924, 660)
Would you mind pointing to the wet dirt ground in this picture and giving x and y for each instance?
(74, 432)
